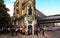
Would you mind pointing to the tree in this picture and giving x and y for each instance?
(4, 16)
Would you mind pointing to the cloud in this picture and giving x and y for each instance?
(10, 6)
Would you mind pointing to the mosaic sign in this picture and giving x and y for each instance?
(30, 17)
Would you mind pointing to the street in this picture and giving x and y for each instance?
(55, 34)
(48, 34)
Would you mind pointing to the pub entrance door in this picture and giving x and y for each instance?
(29, 29)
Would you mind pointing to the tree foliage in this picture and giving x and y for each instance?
(4, 16)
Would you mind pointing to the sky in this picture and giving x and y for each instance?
(10, 6)
(47, 7)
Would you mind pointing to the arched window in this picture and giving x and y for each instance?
(17, 11)
(30, 11)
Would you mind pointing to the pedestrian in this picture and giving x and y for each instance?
(38, 31)
(16, 31)
(26, 32)
(9, 29)
(42, 31)
(23, 31)
(12, 31)
(29, 31)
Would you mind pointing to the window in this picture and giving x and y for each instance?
(13, 13)
(30, 11)
(17, 4)
(17, 11)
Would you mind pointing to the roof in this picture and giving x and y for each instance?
(39, 13)
(51, 17)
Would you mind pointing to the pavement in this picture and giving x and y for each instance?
(25, 36)
(48, 34)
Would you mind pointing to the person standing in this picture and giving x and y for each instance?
(20, 30)
(23, 31)
(42, 31)
(38, 31)
(9, 30)
(12, 31)
(16, 31)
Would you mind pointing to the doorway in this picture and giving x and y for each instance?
(29, 29)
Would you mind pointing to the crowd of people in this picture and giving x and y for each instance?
(39, 30)
(22, 31)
